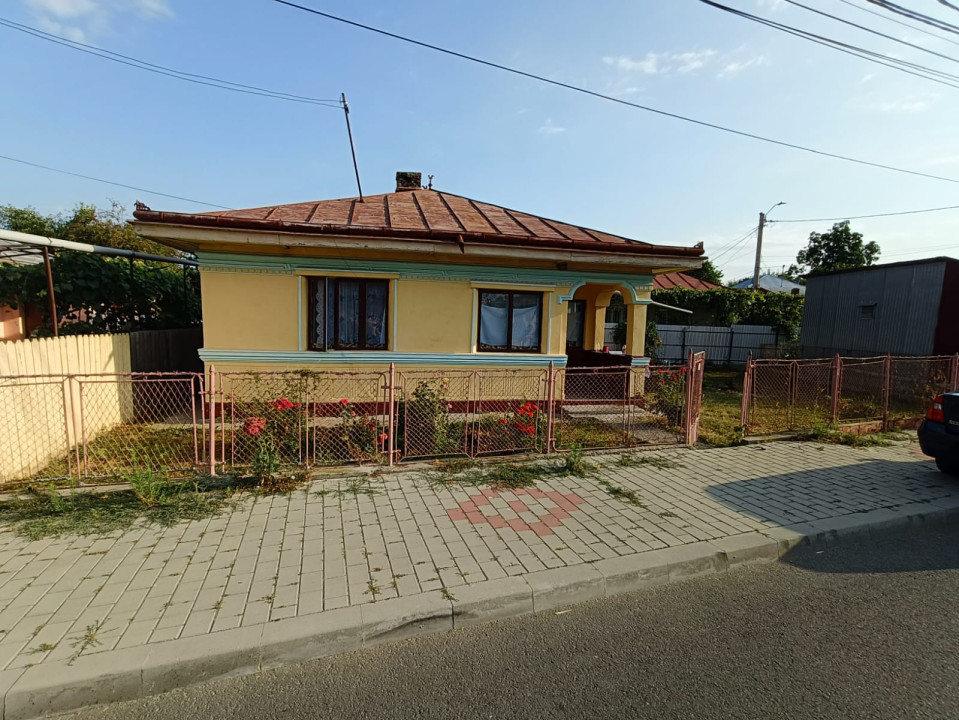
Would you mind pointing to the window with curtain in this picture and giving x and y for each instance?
(348, 313)
(510, 321)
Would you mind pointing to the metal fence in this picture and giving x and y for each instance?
(722, 345)
(790, 395)
(102, 427)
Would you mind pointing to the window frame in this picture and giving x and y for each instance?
(314, 282)
(509, 321)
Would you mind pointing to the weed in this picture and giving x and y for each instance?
(372, 589)
(668, 514)
(621, 493)
(87, 640)
(828, 434)
(631, 460)
(268, 599)
(42, 648)
(37, 629)
(153, 489)
(447, 595)
(575, 464)
(500, 475)
(218, 605)
(356, 485)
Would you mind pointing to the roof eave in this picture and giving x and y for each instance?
(151, 217)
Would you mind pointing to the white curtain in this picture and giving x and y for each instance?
(376, 314)
(525, 327)
(574, 322)
(349, 313)
(493, 326)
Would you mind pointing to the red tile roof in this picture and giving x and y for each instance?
(417, 214)
(682, 280)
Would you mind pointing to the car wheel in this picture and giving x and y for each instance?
(950, 467)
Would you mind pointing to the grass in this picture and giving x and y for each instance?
(589, 432)
(153, 499)
(719, 422)
(86, 640)
(621, 493)
(656, 461)
(506, 476)
(831, 436)
(355, 485)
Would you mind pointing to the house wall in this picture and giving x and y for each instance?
(256, 312)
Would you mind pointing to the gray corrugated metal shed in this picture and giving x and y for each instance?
(894, 308)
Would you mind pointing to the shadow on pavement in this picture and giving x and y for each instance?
(910, 549)
(789, 498)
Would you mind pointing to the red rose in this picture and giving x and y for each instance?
(344, 401)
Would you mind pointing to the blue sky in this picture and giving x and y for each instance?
(486, 134)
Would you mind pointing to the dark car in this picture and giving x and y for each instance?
(939, 432)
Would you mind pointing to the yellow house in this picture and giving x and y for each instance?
(417, 277)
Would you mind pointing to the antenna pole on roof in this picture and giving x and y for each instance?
(349, 130)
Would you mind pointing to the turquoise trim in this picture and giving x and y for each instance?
(639, 362)
(380, 358)
(213, 261)
(622, 280)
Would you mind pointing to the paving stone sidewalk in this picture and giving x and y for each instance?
(348, 541)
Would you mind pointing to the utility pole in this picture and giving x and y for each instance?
(759, 243)
(759, 250)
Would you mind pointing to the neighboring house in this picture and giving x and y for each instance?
(416, 277)
(904, 308)
(18, 323)
(773, 283)
(668, 281)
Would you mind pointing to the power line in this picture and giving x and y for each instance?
(875, 215)
(163, 70)
(724, 247)
(874, 32)
(620, 101)
(900, 22)
(736, 247)
(110, 182)
(910, 68)
(913, 15)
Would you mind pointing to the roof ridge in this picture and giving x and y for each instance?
(450, 211)
(477, 208)
(386, 210)
(512, 216)
(416, 202)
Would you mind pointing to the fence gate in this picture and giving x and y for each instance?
(694, 397)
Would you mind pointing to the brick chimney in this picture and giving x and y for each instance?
(407, 181)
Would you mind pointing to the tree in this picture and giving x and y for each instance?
(708, 273)
(95, 293)
(838, 249)
(86, 224)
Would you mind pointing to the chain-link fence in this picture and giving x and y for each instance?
(108, 427)
(791, 395)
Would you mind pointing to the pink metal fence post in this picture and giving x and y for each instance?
(886, 389)
(212, 421)
(954, 373)
(747, 391)
(550, 404)
(391, 402)
(836, 385)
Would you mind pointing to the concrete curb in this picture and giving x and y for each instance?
(111, 676)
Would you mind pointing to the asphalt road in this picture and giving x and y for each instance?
(860, 629)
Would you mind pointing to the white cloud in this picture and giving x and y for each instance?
(734, 67)
(548, 128)
(647, 66)
(907, 104)
(683, 63)
(80, 19)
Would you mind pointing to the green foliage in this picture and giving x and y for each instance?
(666, 391)
(708, 273)
(746, 307)
(653, 341)
(838, 249)
(86, 224)
(96, 294)
(153, 489)
(266, 460)
(426, 424)
(575, 464)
